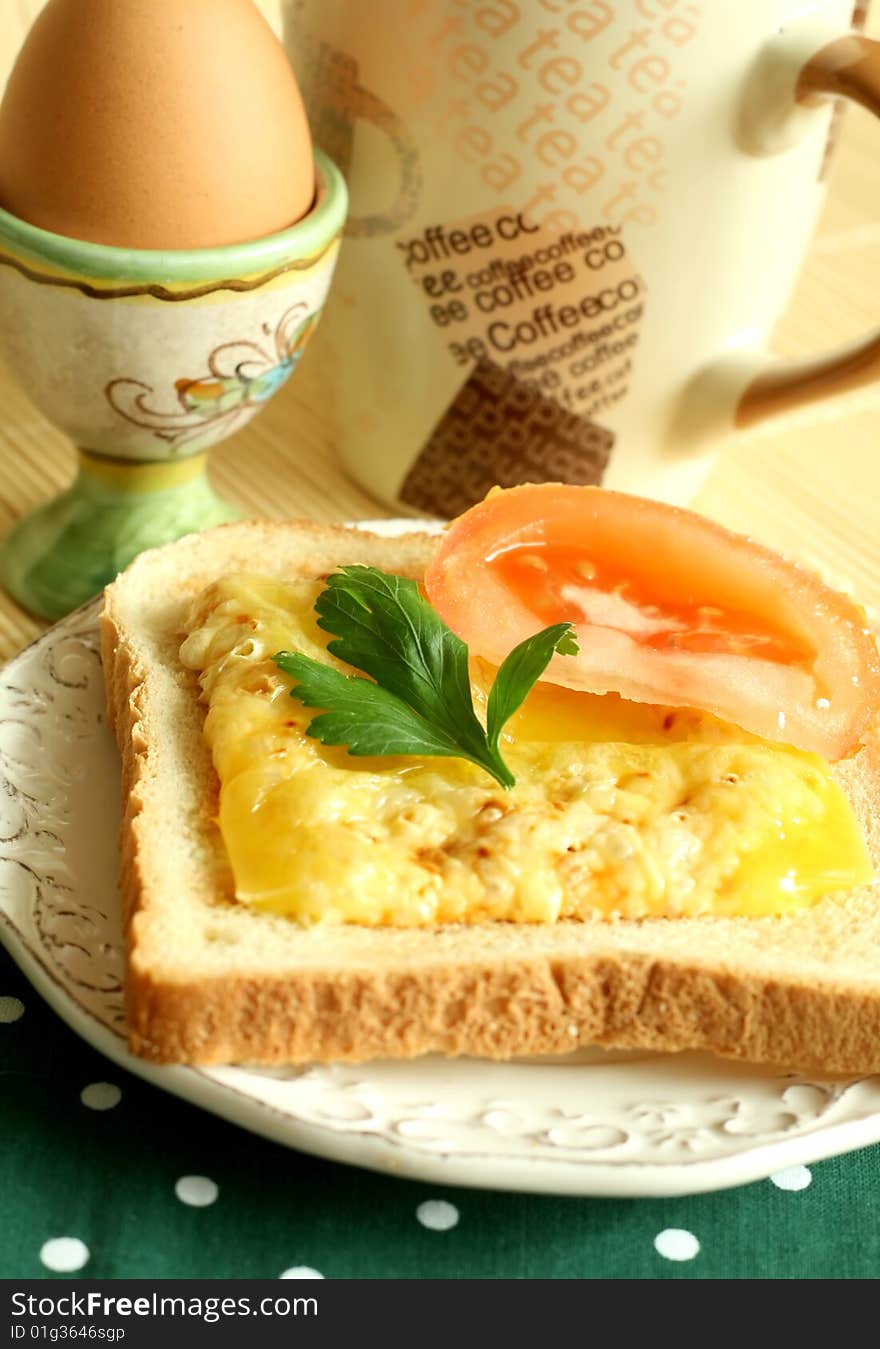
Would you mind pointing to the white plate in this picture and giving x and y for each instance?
(593, 1123)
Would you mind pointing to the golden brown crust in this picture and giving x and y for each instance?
(803, 992)
(498, 1011)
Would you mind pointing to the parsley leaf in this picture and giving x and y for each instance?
(420, 702)
(520, 671)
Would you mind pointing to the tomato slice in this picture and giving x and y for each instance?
(669, 608)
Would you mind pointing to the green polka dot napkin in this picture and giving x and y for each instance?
(108, 1178)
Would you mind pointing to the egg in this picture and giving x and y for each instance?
(155, 124)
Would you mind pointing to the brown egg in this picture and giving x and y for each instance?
(155, 124)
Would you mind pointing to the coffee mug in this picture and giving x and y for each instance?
(573, 225)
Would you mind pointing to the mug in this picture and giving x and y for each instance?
(573, 225)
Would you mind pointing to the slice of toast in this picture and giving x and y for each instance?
(211, 981)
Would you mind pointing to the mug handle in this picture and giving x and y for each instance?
(847, 67)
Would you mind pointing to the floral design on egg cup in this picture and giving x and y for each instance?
(241, 377)
(95, 335)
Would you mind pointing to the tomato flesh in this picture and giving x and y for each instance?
(550, 578)
(669, 608)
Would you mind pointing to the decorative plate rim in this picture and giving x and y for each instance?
(336, 1111)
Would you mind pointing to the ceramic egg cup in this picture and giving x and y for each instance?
(146, 359)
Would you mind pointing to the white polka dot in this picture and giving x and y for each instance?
(675, 1243)
(63, 1255)
(11, 1009)
(792, 1178)
(437, 1215)
(301, 1272)
(100, 1096)
(198, 1191)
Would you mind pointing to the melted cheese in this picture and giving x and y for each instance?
(619, 809)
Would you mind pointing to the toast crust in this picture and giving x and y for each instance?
(209, 981)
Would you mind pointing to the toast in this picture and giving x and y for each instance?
(209, 980)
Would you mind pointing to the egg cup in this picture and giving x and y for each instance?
(146, 359)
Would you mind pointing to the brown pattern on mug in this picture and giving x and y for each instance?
(498, 432)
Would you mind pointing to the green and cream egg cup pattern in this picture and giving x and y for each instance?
(146, 359)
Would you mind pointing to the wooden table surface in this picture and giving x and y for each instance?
(809, 485)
